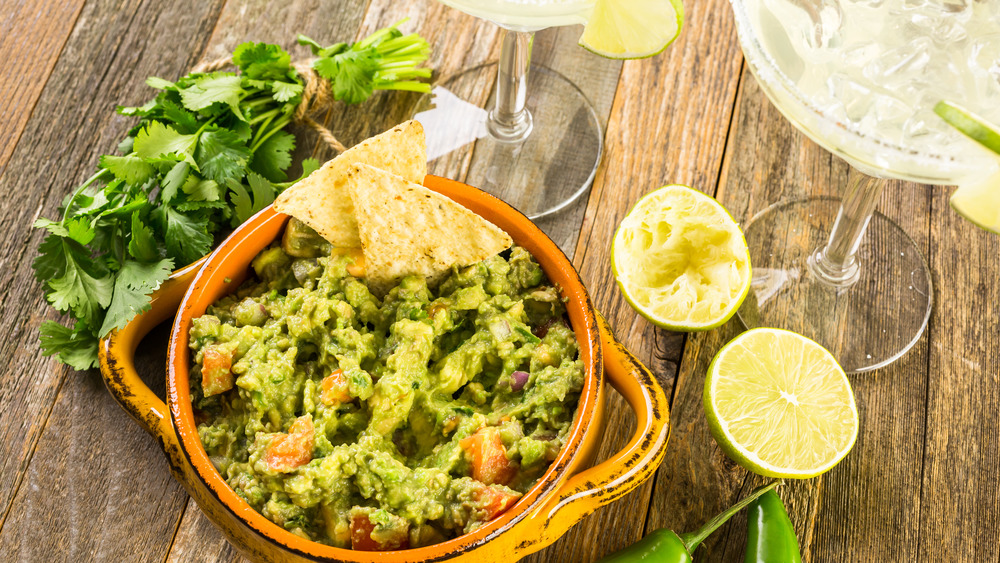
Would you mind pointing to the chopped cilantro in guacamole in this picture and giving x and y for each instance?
(384, 424)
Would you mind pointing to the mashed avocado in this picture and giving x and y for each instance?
(383, 424)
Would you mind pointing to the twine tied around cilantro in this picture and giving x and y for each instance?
(209, 151)
(316, 96)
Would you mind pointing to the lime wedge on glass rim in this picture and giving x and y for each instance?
(779, 404)
(681, 260)
(978, 201)
(632, 29)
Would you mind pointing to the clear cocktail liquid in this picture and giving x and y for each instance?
(878, 67)
(526, 15)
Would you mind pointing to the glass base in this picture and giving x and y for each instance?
(866, 325)
(540, 175)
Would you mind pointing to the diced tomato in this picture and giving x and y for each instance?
(288, 451)
(361, 536)
(489, 458)
(216, 371)
(495, 501)
(335, 389)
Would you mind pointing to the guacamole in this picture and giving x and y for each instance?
(383, 424)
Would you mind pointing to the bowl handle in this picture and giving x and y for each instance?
(597, 486)
(116, 352)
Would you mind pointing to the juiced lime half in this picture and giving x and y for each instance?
(780, 405)
(632, 29)
(680, 260)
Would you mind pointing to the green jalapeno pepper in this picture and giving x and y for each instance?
(770, 535)
(666, 546)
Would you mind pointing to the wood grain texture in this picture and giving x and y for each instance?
(767, 161)
(105, 62)
(33, 37)
(327, 21)
(960, 492)
(668, 125)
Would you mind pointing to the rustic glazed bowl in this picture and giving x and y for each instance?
(567, 492)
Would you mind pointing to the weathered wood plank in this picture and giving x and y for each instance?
(767, 160)
(34, 34)
(458, 42)
(97, 488)
(668, 125)
(960, 493)
(326, 21)
(105, 62)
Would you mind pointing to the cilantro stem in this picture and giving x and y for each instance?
(280, 124)
(265, 116)
(79, 190)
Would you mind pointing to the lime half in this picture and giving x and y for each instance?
(780, 405)
(680, 260)
(632, 29)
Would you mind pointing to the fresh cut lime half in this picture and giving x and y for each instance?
(681, 260)
(779, 404)
(632, 29)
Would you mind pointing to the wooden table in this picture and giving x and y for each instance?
(80, 481)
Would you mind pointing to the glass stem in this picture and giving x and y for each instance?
(509, 120)
(835, 263)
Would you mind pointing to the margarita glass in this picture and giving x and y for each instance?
(861, 78)
(539, 152)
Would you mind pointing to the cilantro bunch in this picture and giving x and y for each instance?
(208, 152)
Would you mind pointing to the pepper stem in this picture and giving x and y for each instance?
(693, 539)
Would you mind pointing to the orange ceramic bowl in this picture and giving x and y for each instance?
(567, 492)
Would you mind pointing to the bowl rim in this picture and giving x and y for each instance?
(525, 233)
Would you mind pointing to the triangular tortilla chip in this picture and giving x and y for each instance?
(407, 229)
(321, 200)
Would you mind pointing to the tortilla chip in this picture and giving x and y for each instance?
(407, 229)
(322, 201)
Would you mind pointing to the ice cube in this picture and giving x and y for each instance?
(855, 97)
(902, 65)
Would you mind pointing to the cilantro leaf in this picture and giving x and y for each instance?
(51, 260)
(246, 205)
(80, 230)
(186, 236)
(216, 88)
(131, 169)
(182, 117)
(201, 189)
(76, 347)
(351, 74)
(284, 91)
(221, 155)
(142, 245)
(274, 156)
(83, 288)
(133, 284)
(309, 166)
(157, 140)
(159, 83)
(173, 181)
(51, 226)
(261, 61)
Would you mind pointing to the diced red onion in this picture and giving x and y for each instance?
(520, 379)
